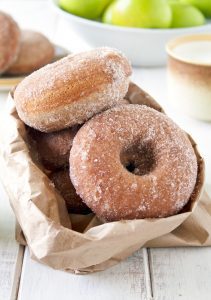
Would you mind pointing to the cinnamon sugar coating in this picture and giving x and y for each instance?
(35, 52)
(72, 90)
(10, 37)
(134, 163)
(63, 184)
(54, 148)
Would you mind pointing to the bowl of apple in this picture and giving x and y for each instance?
(139, 28)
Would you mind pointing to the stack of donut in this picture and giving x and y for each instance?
(22, 51)
(121, 161)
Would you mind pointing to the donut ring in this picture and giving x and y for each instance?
(35, 52)
(61, 180)
(10, 37)
(141, 165)
(73, 89)
(54, 148)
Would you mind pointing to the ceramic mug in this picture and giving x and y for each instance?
(189, 74)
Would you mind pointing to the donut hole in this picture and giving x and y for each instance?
(138, 159)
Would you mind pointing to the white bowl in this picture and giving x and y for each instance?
(144, 47)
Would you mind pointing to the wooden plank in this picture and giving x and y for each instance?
(9, 249)
(181, 273)
(17, 273)
(127, 280)
(8, 254)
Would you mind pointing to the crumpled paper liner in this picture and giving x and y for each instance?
(81, 244)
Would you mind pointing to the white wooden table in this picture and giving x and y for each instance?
(167, 274)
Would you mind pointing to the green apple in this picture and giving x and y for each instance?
(139, 13)
(203, 5)
(184, 15)
(90, 9)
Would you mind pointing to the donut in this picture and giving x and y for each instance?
(10, 37)
(54, 148)
(62, 183)
(134, 163)
(73, 89)
(35, 52)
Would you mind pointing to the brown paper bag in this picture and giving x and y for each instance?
(81, 244)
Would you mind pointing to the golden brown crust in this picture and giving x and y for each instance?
(64, 185)
(10, 37)
(72, 90)
(35, 52)
(54, 148)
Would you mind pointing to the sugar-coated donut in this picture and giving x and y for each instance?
(35, 52)
(73, 89)
(54, 148)
(10, 37)
(63, 184)
(134, 163)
